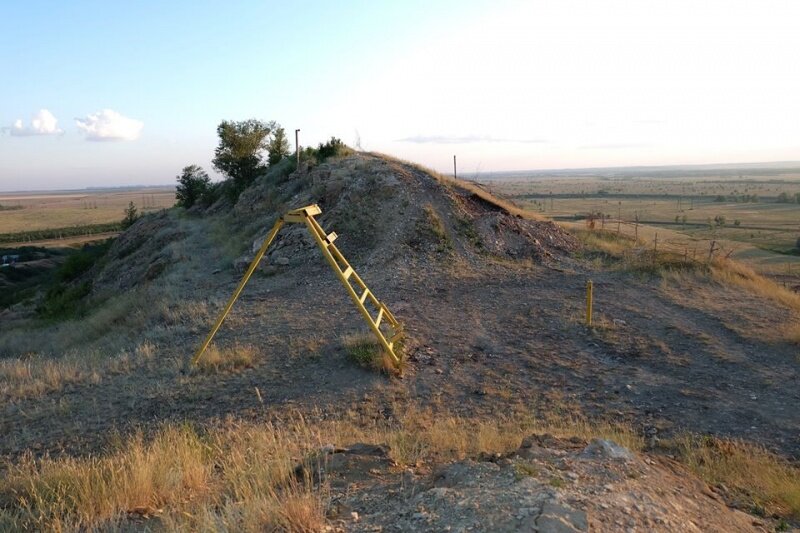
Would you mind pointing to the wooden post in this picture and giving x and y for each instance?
(455, 174)
(589, 291)
(636, 231)
(297, 146)
(655, 243)
(711, 251)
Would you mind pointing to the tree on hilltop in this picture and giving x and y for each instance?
(278, 146)
(240, 153)
(193, 186)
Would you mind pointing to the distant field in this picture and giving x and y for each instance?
(31, 211)
(684, 210)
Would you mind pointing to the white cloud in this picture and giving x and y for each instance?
(42, 123)
(108, 125)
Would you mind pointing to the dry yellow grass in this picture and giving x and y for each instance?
(792, 333)
(757, 478)
(721, 270)
(35, 375)
(234, 357)
(239, 477)
(735, 273)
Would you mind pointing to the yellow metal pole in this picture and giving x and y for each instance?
(589, 290)
(239, 288)
(332, 261)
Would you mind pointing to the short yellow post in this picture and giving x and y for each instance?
(589, 290)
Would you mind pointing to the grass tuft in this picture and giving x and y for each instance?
(235, 357)
(365, 350)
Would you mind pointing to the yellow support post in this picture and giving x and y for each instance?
(332, 254)
(239, 288)
(589, 291)
(344, 271)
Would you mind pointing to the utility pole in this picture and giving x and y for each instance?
(455, 175)
(297, 146)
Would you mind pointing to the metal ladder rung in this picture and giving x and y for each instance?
(380, 317)
(364, 296)
(331, 237)
(347, 272)
(396, 336)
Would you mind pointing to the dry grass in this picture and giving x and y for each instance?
(792, 333)
(734, 273)
(605, 242)
(234, 357)
(34, 375)
(754, 477)
(239, 477)
(721, 270)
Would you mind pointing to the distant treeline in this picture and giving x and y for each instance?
(60, 233)
(9, 207)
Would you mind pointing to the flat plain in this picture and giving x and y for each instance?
(754, 216)
(43, 210)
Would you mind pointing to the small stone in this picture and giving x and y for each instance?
(603, 448)
(354, 516)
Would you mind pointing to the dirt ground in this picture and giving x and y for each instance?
(483, 340)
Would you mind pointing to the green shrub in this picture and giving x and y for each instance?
(333, 148)
(65, 298)
(64, 301)
(81, 261)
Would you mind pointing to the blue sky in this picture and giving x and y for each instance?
(506, 85)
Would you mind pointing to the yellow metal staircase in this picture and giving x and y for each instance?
(392, 330)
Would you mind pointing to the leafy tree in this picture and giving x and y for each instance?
(278, 146)
(131, 215)
(193, 186)
(783, 198)
(240, 153)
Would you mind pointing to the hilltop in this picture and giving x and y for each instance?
(492, 299)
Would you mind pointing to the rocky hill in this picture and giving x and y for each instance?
(492, 300)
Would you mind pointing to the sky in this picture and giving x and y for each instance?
(98, 93)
